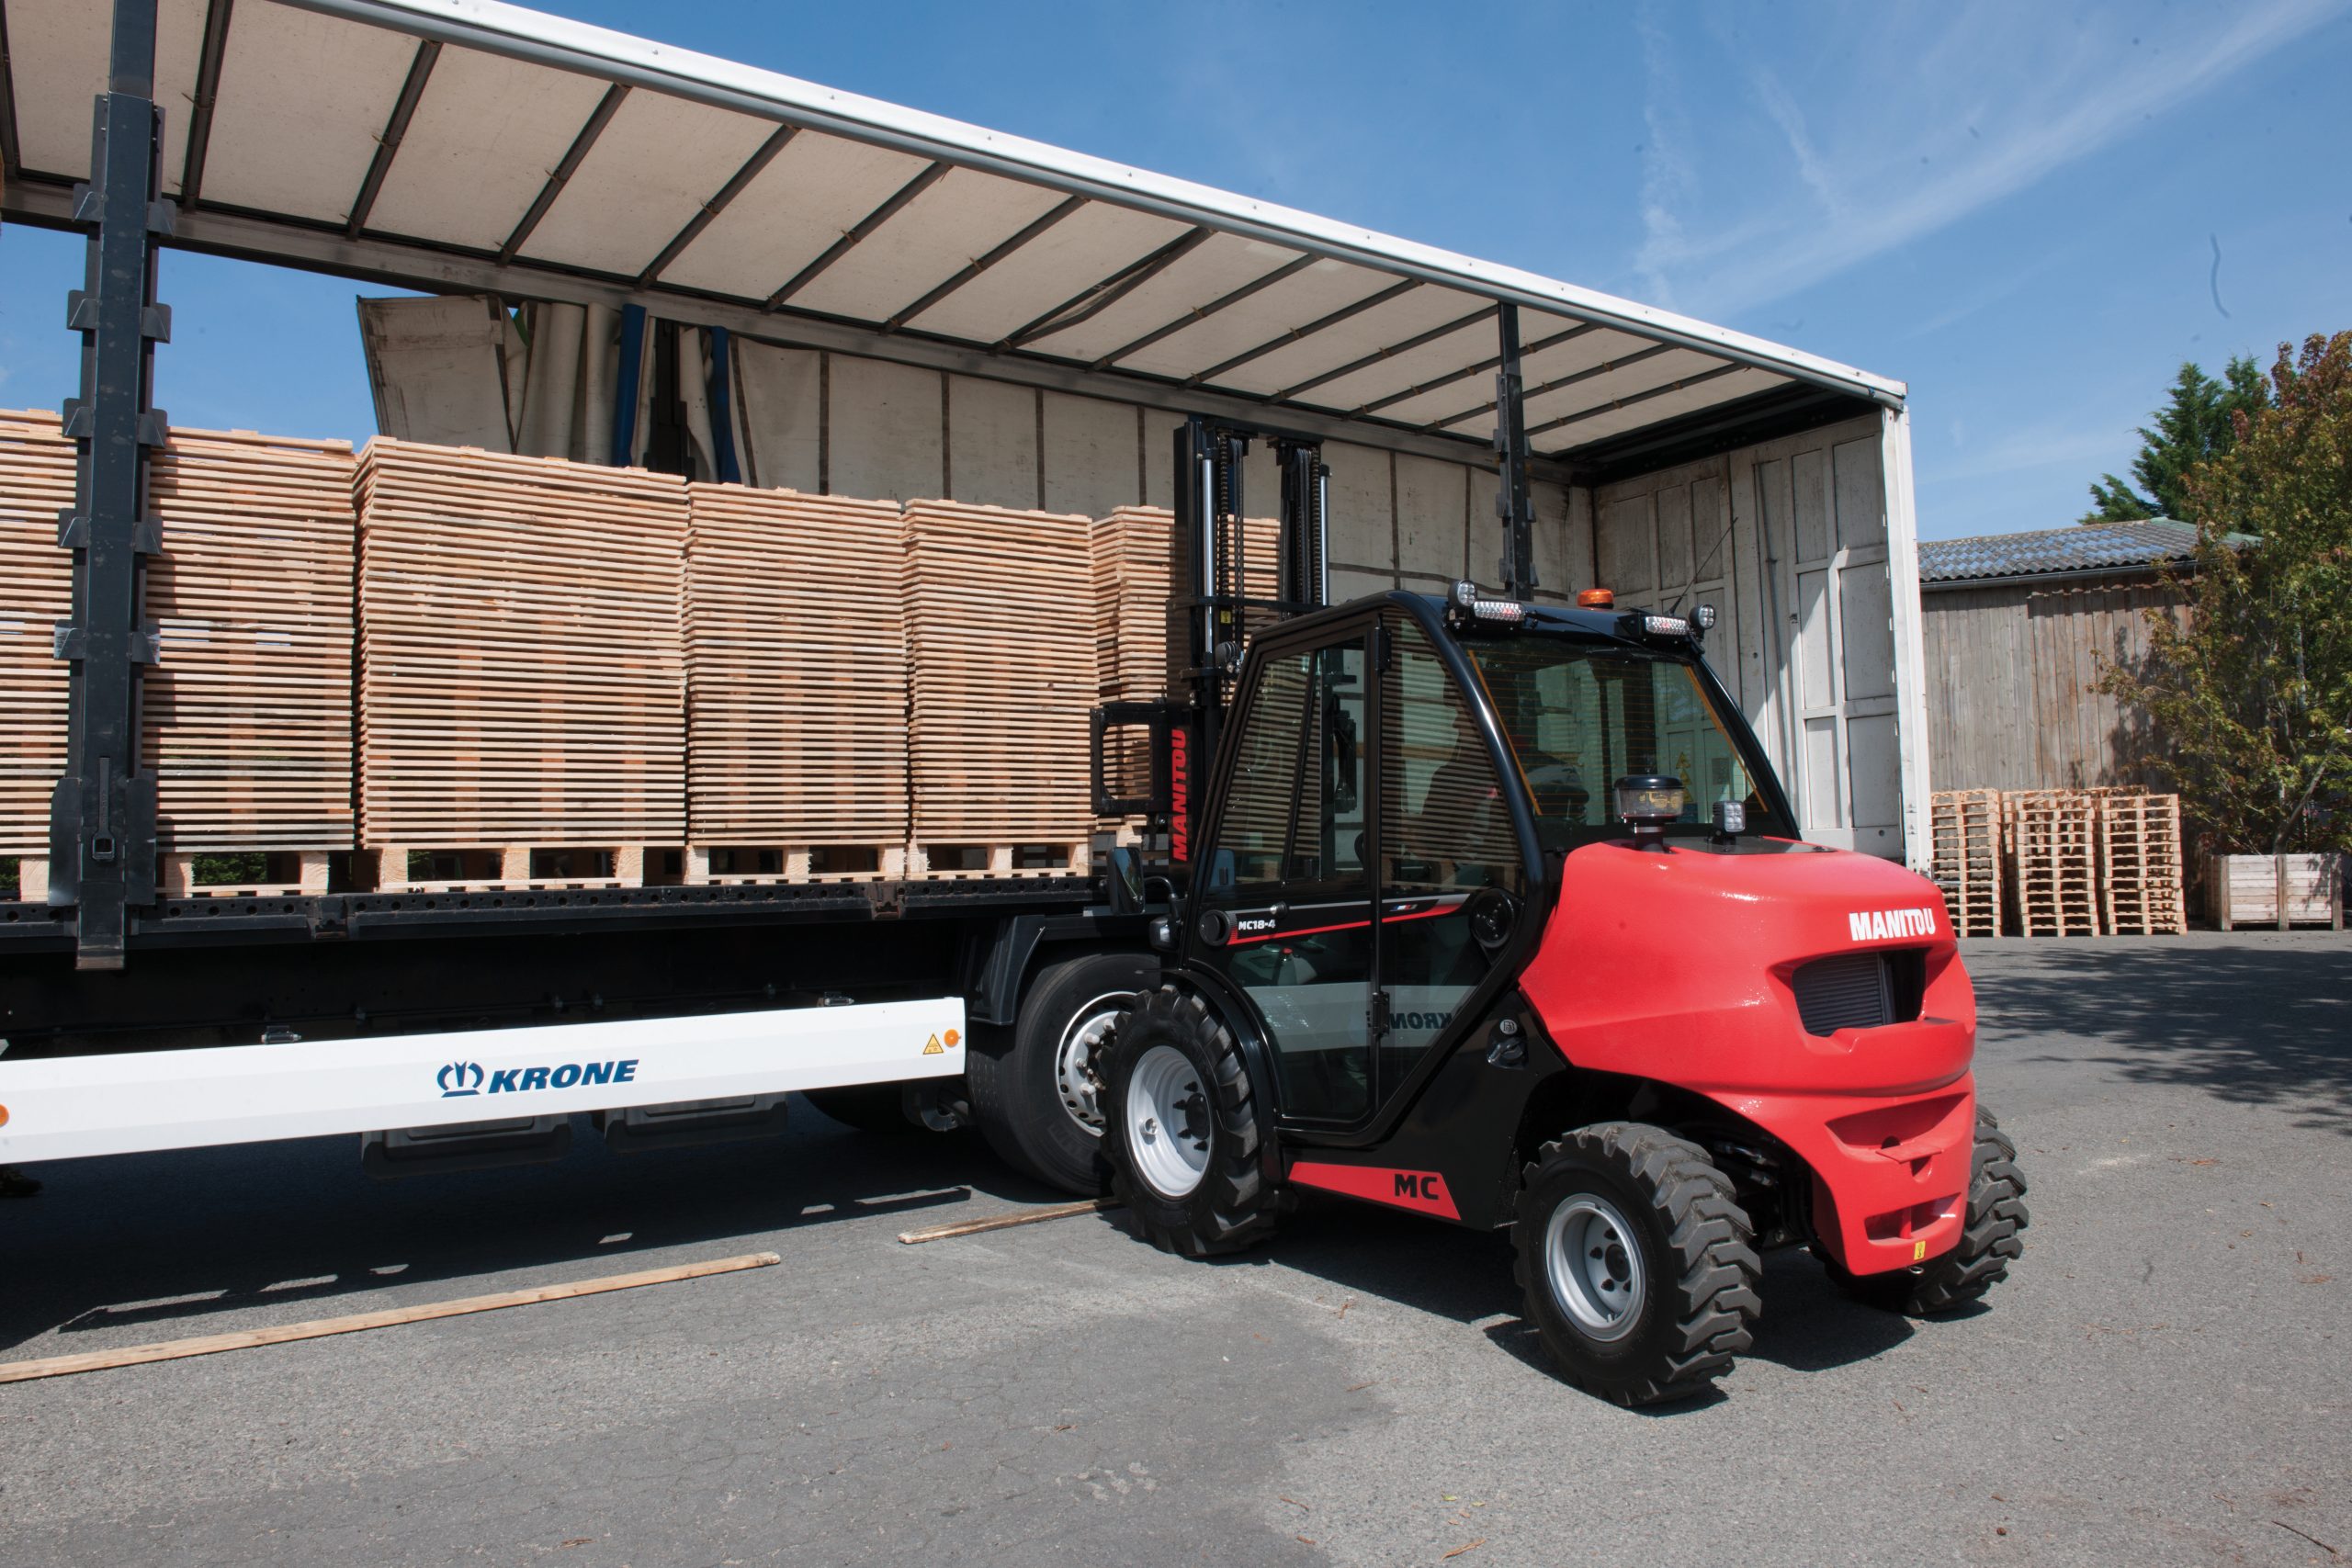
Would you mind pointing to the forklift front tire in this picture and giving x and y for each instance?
(1637, 1262)
(1182, 1130)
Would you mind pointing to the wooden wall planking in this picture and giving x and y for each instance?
(2012, 676)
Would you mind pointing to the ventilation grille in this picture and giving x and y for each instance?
(1849, 991)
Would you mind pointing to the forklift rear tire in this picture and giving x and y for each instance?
(1182, 1131)
(1989, 1240)
(1035, 1090)
(1637, 1263)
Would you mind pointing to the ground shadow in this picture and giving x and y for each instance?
(1466, 1276)
(2249, 1022)
(153, 1238)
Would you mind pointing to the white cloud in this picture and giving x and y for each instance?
(1791, 120)
(1910, 134)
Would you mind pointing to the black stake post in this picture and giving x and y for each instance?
(1511, 444)
(102, 817)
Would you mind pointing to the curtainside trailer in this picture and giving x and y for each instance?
(641, 256)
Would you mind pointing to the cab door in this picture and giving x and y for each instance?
(1283, 906)
(1450, 856)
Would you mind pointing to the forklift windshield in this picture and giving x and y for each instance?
(1580, 716)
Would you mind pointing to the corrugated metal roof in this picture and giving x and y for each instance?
(438, 140)
(2085, 547)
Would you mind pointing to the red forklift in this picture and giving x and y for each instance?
(1495, 911)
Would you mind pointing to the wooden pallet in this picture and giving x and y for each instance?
(1140, 637)
(2140, 887)
(393, 868)
(745, 865)
(36, 484)
(1965, 828)
(521, 662)
(947, 861)
(1002, 677)
(285, 874)
(246, 718)
(796, 672)
(2053, 837)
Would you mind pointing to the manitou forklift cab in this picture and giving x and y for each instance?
(1497, 914)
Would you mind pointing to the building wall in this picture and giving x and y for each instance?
(2013, 672)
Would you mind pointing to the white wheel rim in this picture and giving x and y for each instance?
(1594, 1262)
(1078, 1078)
(1169, 1125)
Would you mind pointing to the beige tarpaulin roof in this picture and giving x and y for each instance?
(464, 144)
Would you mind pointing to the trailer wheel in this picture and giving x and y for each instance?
(1183, 1133)
(1036, 1091)
(869, 1108)
(1989, 1240)
(1637, 1263)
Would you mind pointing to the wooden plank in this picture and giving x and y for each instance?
(1006, 1222)
(320, 1329)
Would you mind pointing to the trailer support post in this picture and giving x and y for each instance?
(1512, 504)
(102, 815)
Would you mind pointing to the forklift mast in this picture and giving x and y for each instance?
(1214, 566)
(1220, 614)
(1216, 574)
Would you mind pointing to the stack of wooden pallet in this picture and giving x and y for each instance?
(2140, 865)
(1134, 583)
(796, 648)
(1965, 826)
(522, 714)
(1141, 643)
(1139, 575)
(36, 484)
(1001, 644)
(1134, 627)
(247, 712)
(2053, 838)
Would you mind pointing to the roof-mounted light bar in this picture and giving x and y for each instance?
(1467, 606)
(1693, 627)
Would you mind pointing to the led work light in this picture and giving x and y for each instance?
(1647, 802)
(1468, 604)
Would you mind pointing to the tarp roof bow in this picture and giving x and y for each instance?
(545, 148)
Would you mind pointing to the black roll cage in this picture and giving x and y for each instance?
(1544, 871)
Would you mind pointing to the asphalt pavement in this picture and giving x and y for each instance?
(2166, 1376)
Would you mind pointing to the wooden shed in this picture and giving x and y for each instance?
(2019, 628)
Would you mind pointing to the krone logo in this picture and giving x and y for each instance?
(460, 1078)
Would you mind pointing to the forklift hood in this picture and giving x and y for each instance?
(1815, 993)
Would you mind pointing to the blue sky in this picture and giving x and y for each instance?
(2017, 209)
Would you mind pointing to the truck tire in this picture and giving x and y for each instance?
(1184, 1134)
(1637, 1263)
(869, 1108)
(1990, 1240)
(1036, 1088)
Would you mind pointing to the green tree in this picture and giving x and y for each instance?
(2251, 692)
(2198, 423)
